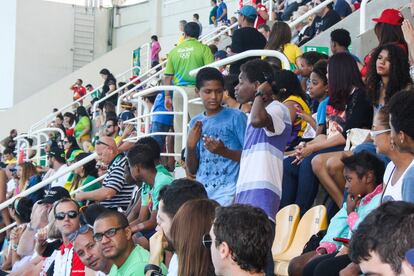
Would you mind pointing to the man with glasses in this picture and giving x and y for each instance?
(112, 129)
(115, 192)
(67, 262)
(230, 240)
(113, 234)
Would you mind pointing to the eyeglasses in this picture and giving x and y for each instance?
(108, 233)
(82, 230)
(70, 214)
(207, 241)
(375, 133)
(99, 142)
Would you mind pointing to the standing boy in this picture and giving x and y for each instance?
(215, 139)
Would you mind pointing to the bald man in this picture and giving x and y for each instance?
(115, 192)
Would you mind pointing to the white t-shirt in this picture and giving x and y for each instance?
(61, 180)
(393, 192)
(173, 268)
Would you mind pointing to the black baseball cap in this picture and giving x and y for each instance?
(54, 194)
(57, 152)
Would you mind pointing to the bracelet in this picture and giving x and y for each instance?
(153, 267)
(259, 93)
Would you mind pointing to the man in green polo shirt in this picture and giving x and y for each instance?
(190, 54)
(112, 231)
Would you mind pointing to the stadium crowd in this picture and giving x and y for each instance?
(263, 138)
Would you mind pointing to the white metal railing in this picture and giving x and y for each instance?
(312, 11)
(43, 132)
(213, 32)
(221, 32)
(45, 120)
(246, 54)
(140, 124)
(362, 16)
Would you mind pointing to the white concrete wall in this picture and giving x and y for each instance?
(44, 38)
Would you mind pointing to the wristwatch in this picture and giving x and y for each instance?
(153, 267)
(259, 93)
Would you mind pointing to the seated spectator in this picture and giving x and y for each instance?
(279, 40)
(95, 93)
(141, 160)
(113, 234)
(229, 97)
(305, 64)
(115, 193)
(66, 260)
(343, 8)
(28, 177)
(246, 37)
(382, 239)
(229, 240)
(290, 93)
(78, 90)
(264, 29)
(57, 162)
(213, 49)
(70, 145)
(348, 107)
(219, 56)
(108, 87)
(388, 74)
(112, 129)
(262, 14)
(318, 91)
(267, 134)
(8, 157)
(340, 42)
(69, 123)
(387, 30)
(85, 174)
(324, 19)
(363, 172)
(192, 221)
(215, 140)
(171, 198)
(287, 8)
(83, 126)
(177, 72)
(9, 141)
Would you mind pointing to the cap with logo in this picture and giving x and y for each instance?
(54, 194)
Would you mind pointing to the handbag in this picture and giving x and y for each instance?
(355, 137)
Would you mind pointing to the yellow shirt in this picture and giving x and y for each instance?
(180, 39)
(292, 52)
(117, 139)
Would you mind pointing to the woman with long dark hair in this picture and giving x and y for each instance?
(192, 221)
(83, 126)
(69, 145)
(388, 74)
(85, 174)
(108, 87)
(348, 107)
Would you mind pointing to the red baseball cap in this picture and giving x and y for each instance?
(390, 16)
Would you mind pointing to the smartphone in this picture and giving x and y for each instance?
(343, 240)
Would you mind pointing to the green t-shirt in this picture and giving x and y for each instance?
(94, 186)
(135, 264)
(213, 13)
(189, 55)
(149, 195)
(83, 123)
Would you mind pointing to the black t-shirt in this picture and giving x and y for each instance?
(247, 38)
(320, 24)
(105, 88)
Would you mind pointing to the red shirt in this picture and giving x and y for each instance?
(78, 91)
(260, 20)
(78, 268)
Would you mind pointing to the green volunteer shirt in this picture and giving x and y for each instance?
(149, 195)
(213, 13)
(135, 264)
(189, 55)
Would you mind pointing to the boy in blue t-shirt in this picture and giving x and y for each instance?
(215, 140)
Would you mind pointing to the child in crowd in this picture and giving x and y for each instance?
(363, 173)
(229, 99)
(268, 131)
(215, 139)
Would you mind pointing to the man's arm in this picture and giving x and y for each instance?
(100, 194)
(151, 223)
(259, 117)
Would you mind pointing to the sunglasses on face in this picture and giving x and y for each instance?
(70, 214)
(375, 133)
(207, 241)
(108, 233)
(99, 142)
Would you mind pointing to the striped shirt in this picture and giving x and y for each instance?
(261, 165)
(115, 179)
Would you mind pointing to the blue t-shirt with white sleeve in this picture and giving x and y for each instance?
(217, 173)
(321, 112)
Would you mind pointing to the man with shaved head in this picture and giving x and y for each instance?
(115, 191)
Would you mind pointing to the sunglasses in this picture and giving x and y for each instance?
(99, 142)
(82, 230)
(375, 133)
(207, 241)
(70, 214)
(108, 233)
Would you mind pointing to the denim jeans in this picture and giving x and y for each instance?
(159, 127)
(300, 185)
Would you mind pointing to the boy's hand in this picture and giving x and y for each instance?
(194, 135)
(266, 88)
(213, 145)
(158, 243)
